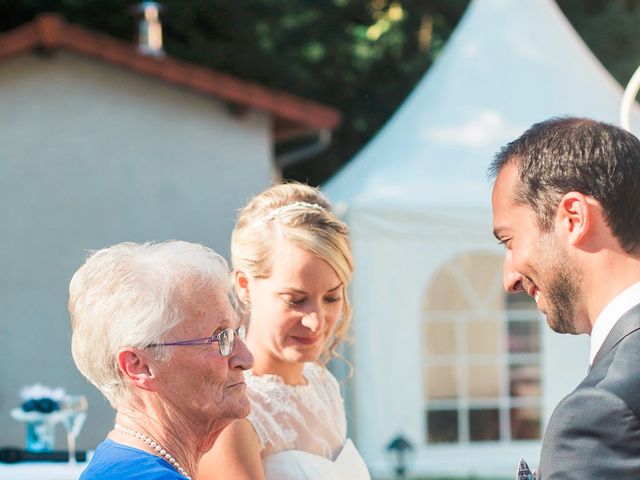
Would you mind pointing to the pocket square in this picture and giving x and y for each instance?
(524, 472)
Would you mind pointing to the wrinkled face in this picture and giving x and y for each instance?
(197, 381)
(535, 262)
(294, 311)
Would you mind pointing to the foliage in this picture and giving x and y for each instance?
(611, 29)
(361, 56)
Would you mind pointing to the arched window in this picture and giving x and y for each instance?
(481, 356)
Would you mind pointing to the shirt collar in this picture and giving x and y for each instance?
(615, 309)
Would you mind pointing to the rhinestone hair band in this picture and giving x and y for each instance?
(155, 446)
(293, 206)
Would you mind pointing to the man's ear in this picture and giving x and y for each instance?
(241, 282)
(575, 216)
(137, 368)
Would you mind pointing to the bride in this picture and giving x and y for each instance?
(292, 265)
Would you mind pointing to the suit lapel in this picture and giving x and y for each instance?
(628, 323)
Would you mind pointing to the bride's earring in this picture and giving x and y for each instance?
(245, 312)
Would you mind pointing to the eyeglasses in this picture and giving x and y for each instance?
(225, 339)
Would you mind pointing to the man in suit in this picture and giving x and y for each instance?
(566, 206)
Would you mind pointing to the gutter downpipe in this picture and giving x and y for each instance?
(298, 155)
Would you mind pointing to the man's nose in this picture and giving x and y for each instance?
(512, 279)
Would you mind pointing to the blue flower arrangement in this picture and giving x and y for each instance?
(43, 405)
(39, 398)
(40, 411)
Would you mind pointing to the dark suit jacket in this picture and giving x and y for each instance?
(594, 432)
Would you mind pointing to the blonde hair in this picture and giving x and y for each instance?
(300, 214)
(128, 295)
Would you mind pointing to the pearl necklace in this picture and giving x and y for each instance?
(155, 446)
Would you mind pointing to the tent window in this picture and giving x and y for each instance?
(481, 356)
(443, 426)
(484, 424)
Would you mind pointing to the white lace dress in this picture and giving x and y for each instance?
(302, 429)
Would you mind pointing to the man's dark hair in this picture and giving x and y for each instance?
(561, 155)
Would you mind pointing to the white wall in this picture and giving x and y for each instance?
(91, 155)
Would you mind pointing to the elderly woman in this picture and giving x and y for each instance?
(154, 331)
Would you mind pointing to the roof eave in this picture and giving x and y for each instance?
(293, 116)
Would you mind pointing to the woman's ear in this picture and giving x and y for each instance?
(241, 282)
(137, 369)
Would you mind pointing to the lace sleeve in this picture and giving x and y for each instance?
(265, 412)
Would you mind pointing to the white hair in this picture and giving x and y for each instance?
(125, 296)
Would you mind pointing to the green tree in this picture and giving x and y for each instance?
(611, 29)
(361, 56)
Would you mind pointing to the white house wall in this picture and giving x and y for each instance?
(91, 155)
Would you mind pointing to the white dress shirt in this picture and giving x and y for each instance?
(614, 310)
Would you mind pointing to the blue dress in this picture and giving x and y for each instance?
(114, 461)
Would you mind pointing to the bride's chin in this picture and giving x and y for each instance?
(301, 356)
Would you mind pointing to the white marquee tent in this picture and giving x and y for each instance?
(417, 199)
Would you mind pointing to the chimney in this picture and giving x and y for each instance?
(149, 28)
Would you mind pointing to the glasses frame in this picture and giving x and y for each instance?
(230, 333)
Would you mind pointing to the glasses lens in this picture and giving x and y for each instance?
(225, 342)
